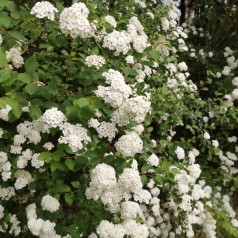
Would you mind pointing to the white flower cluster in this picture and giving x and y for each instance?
(39, 227)
(53, 118)
(95, 60)
(50, 203)
(128, 228)
(15, 229)
(134, 109)
(5, 166)
(228, 162)
(141, 3)
(118, 41)
(107, 130)
(129, 145)
(137, 34)
(14, 55)
(44, 9)
(74, 136)
(23, 178)
(193, 192)
(153, 160)
(74, 21)
(117, 92)
(4, 113)
(104, 185)
(7, 193)
(180, 153)
(111, 20)
(165, 23)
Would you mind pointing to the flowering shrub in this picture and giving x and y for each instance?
(105, 130)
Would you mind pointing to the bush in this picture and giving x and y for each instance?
(106, 131)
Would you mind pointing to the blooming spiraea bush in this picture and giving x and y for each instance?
(105, 132)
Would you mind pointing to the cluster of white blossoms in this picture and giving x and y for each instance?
(50, 203)
(180, 153)
(111, 20)
(153, 160)
(44, 9)
(142, 72)
(74, 21)
(39, 227)
(118, 41)
(14, 229)
(7, 193)
(4, 113)
(53, 118)
(23, 178)
(193, 192)
(115, 195)
(107, 130)
(134, 109)
(117, 92)
(14, 56)
(189, 202)
(96, 61)
(128, 228)
(74, 136)
(228, 208)
(137, 34)
(5, 166)
(228, 162)
(129, 145)
(112, 192)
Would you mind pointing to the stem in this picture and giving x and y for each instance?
(19, 42)
(69, 60)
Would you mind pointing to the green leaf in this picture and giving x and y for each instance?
(129, 72)
(69, 198)
(62, 188)
(5, 74)
(159, 179)
(35, 112)
(31, 88)
(64, 52)
(86, 113)
(3, 61)
(82, 102)
(31, 65)
(5, 21)
(3, 3)
(45, 156)
(94, 51)
(75, 184)
(25, 78)
(55, 165)
(70, 164)
(175, 171)
(18, 35)
(57, 155)
(16, 108)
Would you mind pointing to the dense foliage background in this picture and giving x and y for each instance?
(118, 119)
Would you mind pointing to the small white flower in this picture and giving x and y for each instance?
(207, 136)
(180, 153)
